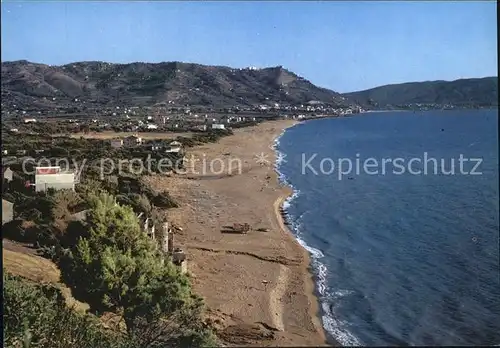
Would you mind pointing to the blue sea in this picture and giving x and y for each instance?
(406, 254)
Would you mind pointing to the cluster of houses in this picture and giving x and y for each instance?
(187, 118)
(187, 121)
(167, 116)
(136, 140)
(53, 177)
(310, 107)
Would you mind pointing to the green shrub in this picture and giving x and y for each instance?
(37, 316)
(139, 203)
(164, 200)
(115, 266)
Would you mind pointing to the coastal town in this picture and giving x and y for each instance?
(133, 119)
(38, 190)
(55, 162)
(180, 174)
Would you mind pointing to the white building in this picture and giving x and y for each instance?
(174, 146)
(52, 177)
(218, 126)
(29, 120)
(151, 126)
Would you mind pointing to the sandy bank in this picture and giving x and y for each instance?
(257, 285)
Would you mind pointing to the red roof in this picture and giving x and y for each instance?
(47, 170)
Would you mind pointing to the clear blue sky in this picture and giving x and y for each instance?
(345, 46)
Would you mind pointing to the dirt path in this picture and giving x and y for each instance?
(276, 296)
(23, 261)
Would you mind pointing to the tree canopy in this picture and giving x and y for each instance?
(115, 266)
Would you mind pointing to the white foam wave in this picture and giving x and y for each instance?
(321, 274)
(286, 205)
(334, 326)
(341, 293)
(276, 141)
(315, 253)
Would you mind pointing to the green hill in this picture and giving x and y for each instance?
(476, 92)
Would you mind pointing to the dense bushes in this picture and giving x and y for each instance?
(106, 260)
(212, 136)
(139, 203)
(49, 213)
(55, 147)
(37, 316)
(111, 264)
(41, 218)
(164, 200)
(26, 207)
(24, 231)
(114, 266)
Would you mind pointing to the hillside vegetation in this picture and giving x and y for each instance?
(109, 263)
(146, 84)
(481, 92)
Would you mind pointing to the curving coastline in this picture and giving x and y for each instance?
(280, 214)
(315, 312)
(258, 287)
(316, 286)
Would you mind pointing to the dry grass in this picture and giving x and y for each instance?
(40, 270)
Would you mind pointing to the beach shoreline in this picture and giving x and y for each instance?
(258, 286)
(311, 290)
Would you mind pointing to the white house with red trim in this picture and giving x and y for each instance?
(53, 177)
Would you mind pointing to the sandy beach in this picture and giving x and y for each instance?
(257, 286)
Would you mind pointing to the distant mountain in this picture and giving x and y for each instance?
(479, 92)
(145, 84)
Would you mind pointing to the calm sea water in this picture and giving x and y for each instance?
(400, 258)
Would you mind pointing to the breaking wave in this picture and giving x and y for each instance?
(331, 324)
